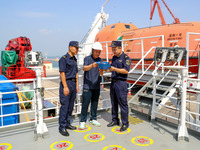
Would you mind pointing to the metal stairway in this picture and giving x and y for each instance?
(167, 99)
(166, 87)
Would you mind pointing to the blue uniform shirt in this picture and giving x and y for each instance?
(123, 61)
(91, 77)
(68, 65)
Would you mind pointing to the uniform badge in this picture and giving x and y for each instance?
(120, 60)
(128, 62)
(125, 56)
(64, 56)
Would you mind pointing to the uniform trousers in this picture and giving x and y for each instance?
(118, 94)
(67, 104)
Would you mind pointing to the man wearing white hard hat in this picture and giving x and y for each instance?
(91, 86)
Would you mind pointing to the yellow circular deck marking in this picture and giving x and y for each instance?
(87, 128)
(142, 141)
(61, 145)
(94, 137)
(117, 130)
(114, 147)
(5, 146)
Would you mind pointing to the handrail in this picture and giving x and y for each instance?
(17, 80)
(140, 76)
(141, 60)
(188, 45)
(166, 74)
(140, 90)
(137, 66)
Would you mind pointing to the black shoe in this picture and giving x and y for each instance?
(123, 128)
(64, 132)
(112, 124)
(70, 127)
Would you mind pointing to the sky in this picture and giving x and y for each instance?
(51, 24)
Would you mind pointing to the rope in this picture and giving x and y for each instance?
(23, 106)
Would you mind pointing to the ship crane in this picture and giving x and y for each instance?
(155, 2)
(100, 20)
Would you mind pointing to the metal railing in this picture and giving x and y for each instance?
(192, 116)
(188, 46)
(4, 105)
(33, 112)
(55, 99)
(9, 72)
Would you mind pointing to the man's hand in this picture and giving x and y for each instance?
(94, 65)
(112, 69)
(101, 72)
(66, 91)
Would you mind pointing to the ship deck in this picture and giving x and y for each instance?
(141, 134)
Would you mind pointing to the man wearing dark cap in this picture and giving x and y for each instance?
(68, 87)
(118, 90)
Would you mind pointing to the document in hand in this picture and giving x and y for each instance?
(103, 65)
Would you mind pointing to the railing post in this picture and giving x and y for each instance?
(198, 106)
(198, 94)
(154, 96)
(163, 41)
(187, 48)
(1, 109)
(129, 89)
(142, 55)
(102, 80)
(41, 128)
(35, 103)
(182, 129)
(107, 52)
(122, 46)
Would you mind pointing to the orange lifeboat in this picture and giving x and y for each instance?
(112, 32)
(174, 35)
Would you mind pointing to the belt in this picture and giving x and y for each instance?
(73, 79)
(115, 80)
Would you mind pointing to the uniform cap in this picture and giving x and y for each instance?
(116, 43)
(97, 46)
(74, 43)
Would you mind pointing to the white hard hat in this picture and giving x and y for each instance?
(97, 46)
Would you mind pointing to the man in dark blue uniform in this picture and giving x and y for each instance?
(68, 87)
(91, 86)
(118, 90)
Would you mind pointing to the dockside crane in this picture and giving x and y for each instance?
(153, 5)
